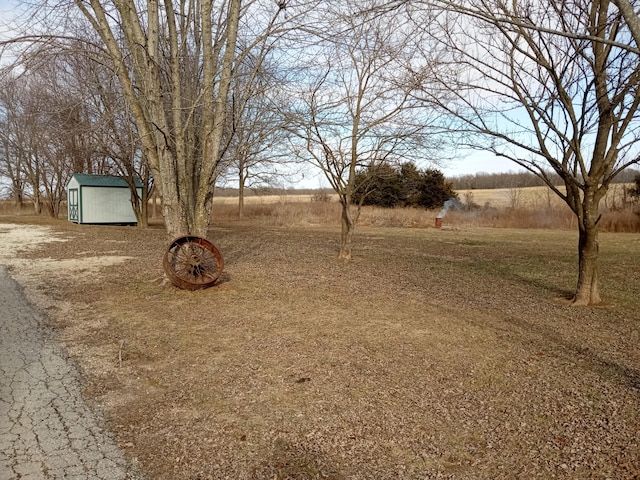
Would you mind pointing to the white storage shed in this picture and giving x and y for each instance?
(100, 199)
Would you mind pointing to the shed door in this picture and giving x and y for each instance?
(73, 205)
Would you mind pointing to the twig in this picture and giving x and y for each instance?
(120, 352)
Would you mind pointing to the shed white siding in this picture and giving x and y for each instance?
(107, 202)
(106, 205)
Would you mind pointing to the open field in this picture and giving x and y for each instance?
(529, 197)
(268, 199)
(530, 207)
(434, 354)
(532, 197)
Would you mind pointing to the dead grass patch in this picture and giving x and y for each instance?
(433, 354)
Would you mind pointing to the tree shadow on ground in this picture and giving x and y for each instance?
(296, 461)
(544, 285)
(553, 340)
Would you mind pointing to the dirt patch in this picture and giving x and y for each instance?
(18, 240)
(21, 238)
(433, 354)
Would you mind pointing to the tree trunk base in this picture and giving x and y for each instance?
(579, 302)
(344, 255)
(585, 302)
(575, 301)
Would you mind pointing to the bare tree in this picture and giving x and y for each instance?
(175, 62)
(60, 135)
(549, 84)
(13, 148)
(255, 145)
(628, 12)
(117, 143)
(67, 115)
(45, 134)
(357, 111)
(181, 58)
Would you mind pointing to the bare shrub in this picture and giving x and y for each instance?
(283, 214)
(321, 196)
(468, 202)
(623, 221)
(8, 207)
(516, 198)
(555, 217)
(403, 217)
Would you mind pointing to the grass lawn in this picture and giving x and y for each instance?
(445, 354)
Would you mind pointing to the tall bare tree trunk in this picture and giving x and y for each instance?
(203, 215)
(348, 222)
(241, 182)
(17, 197)
(155, 203)
(214, 118)
(587, 292)
(141, 210)
(175, 217)
(37, 201)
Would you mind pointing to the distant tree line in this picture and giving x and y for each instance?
(483, 180)
(405, 185)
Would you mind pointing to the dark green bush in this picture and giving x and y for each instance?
(404, 186)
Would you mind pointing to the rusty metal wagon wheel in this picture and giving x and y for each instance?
(192, 262)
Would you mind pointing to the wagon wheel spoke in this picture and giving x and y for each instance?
(209, 265)
(180, 255)
(193, 262)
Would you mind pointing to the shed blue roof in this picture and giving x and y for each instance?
(85, 179)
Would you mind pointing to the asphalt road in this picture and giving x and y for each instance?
(46, 430)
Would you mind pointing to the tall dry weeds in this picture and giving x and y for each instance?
(327, 213)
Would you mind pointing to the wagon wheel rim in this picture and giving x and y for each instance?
(192, 262)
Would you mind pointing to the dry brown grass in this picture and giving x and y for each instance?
(271, 199)
(557, 216)
(433, 354)
(532, 197)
